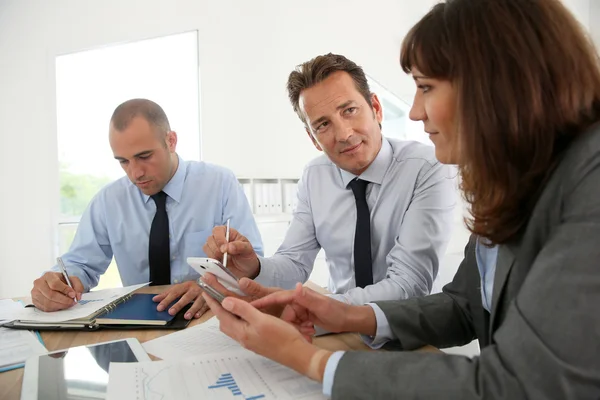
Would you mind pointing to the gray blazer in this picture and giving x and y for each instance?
(542, 339)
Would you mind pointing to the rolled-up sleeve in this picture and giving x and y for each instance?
(90, 253)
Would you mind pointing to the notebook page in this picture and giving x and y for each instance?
(89, 304)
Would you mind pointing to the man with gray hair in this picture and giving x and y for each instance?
(151, 220)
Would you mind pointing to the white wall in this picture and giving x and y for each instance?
(247, 49)
(594, 21)
(581, 10)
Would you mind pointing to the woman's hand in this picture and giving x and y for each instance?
(251, 288)
(305, 307)
(269, 336)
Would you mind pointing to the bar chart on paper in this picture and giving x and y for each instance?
(236, 375)
(227, 381)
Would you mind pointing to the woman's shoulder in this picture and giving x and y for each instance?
(581, 157)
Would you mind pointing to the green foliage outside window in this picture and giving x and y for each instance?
(77, 190)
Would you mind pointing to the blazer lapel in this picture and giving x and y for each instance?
(506, 260)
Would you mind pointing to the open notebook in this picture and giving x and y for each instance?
(116, 308)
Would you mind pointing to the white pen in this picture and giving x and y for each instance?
(226, 241)
(63, 269)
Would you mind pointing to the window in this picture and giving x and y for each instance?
(396, 123)
(89, 86)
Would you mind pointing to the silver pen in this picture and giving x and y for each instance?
(223, 266)
(63, 269)
(226, 241)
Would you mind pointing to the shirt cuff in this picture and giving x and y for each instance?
(384, 332)
(77, 273)
(329, 374)
(266, 276)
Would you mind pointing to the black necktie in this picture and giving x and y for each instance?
(159, 253)
(363, 269)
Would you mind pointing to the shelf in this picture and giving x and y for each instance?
(270, 196)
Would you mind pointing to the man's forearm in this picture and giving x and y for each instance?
(281, 271)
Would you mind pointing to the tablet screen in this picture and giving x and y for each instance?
(80, 372)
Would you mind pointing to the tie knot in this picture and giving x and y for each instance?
(359, 188)
(160, 199)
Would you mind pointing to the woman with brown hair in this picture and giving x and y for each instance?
(509, 90)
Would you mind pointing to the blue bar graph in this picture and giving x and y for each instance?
(227, 381)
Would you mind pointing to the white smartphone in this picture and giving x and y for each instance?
(225, 277)
(78, 372)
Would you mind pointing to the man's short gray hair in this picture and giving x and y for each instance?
(147, 109)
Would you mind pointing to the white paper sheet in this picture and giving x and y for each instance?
(205, 338)
(9, 310)
(17, 345)
(89, 304)
(236, 375)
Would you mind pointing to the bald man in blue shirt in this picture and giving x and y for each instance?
(151, 220)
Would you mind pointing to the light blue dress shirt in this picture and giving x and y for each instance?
(411, 198)
(118, 219)
(486, 263)
(487, 258)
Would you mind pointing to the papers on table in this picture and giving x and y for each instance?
(203, 363)
(9, 310)
(89, 304)
(238, 374)
(16, 346)
(201, 339)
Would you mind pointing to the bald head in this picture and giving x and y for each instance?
(126, 112)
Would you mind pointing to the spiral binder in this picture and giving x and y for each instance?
(109, 307)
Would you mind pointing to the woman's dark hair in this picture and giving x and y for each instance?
(527, 79)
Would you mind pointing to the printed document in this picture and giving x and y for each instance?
(237, 375)
(205, 338)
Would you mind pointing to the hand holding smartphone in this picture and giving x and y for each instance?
(203, 265)
(212, 292)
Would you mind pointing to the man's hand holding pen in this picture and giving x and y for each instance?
(52, 293)
(242, 260)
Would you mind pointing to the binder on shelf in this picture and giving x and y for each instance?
(277, 203)
(270, 195)
(266, 197)
(288, 193)
(295, 195)
(258, 198)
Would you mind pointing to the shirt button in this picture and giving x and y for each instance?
(176, 281)
(173, 258)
